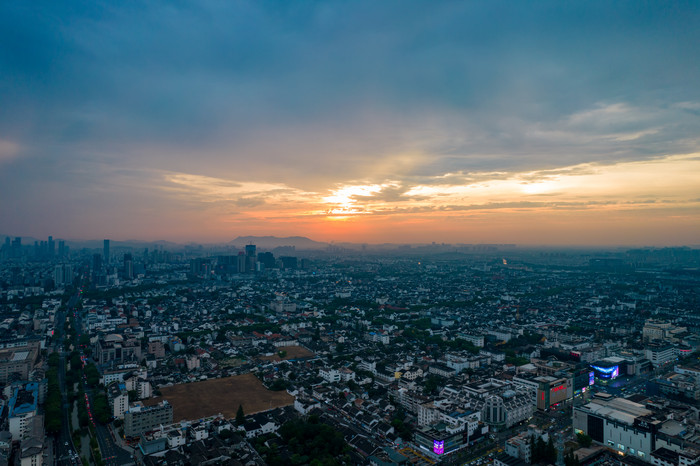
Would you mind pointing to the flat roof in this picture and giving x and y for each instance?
(20, 355)
(619, 409)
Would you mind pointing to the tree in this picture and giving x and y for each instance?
(432, 382)
(538, 450)
(278, 385)
(402, 429)
(92, 375)
(310, 442)
(101, 407)
(584, 440)
(550, 452)
(52, 405)
(570, 459)
(240, 416)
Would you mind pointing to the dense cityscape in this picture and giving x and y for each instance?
(287, 351)
(325, 233)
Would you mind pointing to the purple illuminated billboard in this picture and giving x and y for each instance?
(438, 447)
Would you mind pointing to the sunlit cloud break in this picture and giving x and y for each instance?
(667, 181)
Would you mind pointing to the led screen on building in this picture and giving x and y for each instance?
(607, 372)
(438, 447)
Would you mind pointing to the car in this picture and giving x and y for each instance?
(66, 444)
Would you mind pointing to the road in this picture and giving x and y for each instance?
(112, 454)
(65, 451)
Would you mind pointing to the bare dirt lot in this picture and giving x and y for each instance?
(292, 352)
(210, 397)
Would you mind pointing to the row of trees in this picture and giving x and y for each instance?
(52, 406)
(541, 452)
(400, 426)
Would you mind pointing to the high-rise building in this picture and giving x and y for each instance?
(6, 249)
(128, 266)
(140, 418)
(288, 263)
(241, 262)
(105, 251)
(267, 259)
(250, 258)
(58, 278)
(96, 263)
(61, 248)
(63, 275)
(17, 247)
(51, 247)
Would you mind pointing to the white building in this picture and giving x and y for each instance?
(660, 354)
(31, 452)
(336, 375)
(305, 406)
(118, 398)
(619, 424)
(666, 457)
(476, 340)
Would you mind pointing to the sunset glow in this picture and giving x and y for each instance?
(637, 192)
(327, 121)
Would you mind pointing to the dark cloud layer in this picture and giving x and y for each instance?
(315, 93)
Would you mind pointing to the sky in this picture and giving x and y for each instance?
(535, 123)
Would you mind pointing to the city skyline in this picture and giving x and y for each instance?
(537, 124)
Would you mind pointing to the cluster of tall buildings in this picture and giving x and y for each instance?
(50, 249)
(248, 261)
(104, 269)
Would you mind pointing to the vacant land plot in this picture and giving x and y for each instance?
(292, 352)
(232, 362)
(201, 399)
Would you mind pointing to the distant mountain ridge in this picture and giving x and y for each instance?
(271, 242)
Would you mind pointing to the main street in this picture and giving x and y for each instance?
(65, 452)
(112, 454)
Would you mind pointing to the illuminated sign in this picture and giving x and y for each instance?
(560, 387)
(608, 372)
(438, 447)
(591, 378)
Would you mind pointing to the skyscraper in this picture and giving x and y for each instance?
(7, 248)
(63, 275)
(250, 258)
(17, 247)
(105, 251)
(96, 263)
(51, 247)
(128, 266)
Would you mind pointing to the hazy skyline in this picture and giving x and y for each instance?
(531, 123)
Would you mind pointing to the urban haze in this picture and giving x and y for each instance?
(349, 233)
